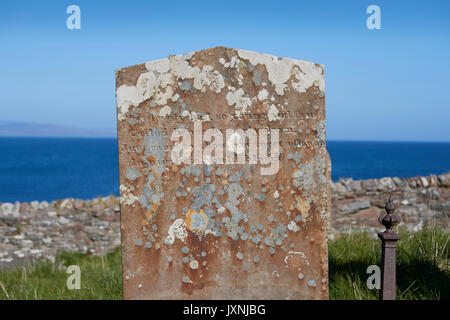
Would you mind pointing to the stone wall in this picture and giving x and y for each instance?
(420, 201)
(41, 229)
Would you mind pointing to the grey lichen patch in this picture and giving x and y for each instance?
(257, 75)
(312, 283)
(186, 279)
(132, 173)
(148, 244)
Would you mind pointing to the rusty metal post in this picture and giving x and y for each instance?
(388, 255)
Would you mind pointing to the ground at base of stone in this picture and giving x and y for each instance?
(422, 271)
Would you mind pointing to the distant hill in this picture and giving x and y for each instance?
(26, 129)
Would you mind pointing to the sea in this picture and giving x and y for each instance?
(85, 168)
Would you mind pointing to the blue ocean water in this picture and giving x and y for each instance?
(56, 168)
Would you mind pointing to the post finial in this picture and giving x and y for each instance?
(389, 220)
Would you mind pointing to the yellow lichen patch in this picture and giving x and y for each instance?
(302, 206)
(196, 221)
(144, 222)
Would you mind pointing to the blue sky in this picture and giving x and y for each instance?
(388, 84)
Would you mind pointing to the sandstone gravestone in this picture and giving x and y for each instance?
(223, 177)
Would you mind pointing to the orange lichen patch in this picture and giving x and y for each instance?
(151, 158)
(148, 214)
(144, 222)
(174, 168)
(302, 206)
(196, 221)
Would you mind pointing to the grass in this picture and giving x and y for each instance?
(422, 271)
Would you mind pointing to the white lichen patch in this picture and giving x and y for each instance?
(293, 226)
(127, 96)
(280, 71)
(263, 94)
(126, 197)
(308, 74)
(160, 66)
(158, 86)
(206, 77)
(272, 114)
(165, 111)
(276, 194)
(240, 102)
(291, 253)
(176, 231)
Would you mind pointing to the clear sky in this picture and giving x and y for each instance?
(388, 84)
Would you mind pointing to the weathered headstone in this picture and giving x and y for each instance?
(210, 211)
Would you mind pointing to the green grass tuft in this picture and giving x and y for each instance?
(422, 266)
(422, 271)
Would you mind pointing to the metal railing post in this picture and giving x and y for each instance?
(388, 254)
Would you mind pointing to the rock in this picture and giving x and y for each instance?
(43, 205)
(354, 206)
(441, 206)
(370, 185)
(52, 213)
(78, 204)
(9, 210)
(66, 204)
(34, 205)
(24, 207)
(434, 193)
(412, 182)
(371, 213)
(399, 182)
(445, 180)
(27, 244)
(385, 184)
(378, 203)
(424, 182)
(434, 181)
(63, 220)
(408, 211)
(340, 189)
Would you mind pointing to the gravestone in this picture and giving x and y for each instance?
(223, 177)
